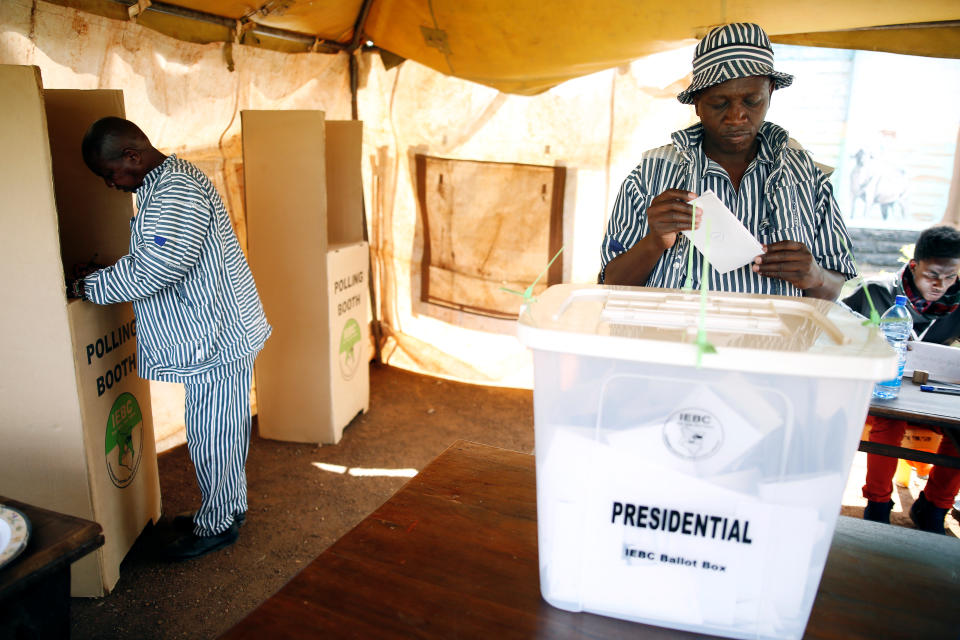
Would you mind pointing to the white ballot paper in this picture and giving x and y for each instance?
(941, 361)
(730, 244)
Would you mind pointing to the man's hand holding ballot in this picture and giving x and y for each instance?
(793, 262)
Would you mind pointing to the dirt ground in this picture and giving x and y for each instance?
(298, 509)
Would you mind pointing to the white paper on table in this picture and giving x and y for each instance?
(730, 245)
(941, 361)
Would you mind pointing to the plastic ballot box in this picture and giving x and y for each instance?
(685, 487)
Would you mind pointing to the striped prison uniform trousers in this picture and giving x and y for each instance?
(218, 422)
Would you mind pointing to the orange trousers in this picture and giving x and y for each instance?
(942, 485)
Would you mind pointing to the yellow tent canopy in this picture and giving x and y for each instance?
(526, 47)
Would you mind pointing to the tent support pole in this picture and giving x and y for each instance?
(354, 113)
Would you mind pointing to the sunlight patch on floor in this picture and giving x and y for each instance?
(365, 472)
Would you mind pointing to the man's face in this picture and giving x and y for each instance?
(732, 112)
(125, 173)
(933, 276)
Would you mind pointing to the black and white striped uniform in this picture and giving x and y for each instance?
(199, 322)
(783, 196)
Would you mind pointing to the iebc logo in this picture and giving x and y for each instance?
(693, 434)
(349, 352)
(123, 440)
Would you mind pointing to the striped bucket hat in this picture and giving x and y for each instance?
(732, 51)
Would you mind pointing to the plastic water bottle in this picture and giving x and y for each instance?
(896, 325)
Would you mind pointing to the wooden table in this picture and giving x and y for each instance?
(35, 586)
(919, 407)
(453, 554)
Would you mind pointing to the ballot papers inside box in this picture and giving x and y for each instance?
(698, 497)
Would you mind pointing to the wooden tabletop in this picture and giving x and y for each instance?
(923, 408)
(55, 540)
(453, 554)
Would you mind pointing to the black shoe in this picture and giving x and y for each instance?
(194, 546)
(184, 521)
(926, 516)
(878, 511)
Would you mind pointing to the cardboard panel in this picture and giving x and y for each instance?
(344, 182)
(286, 196)
(118, 431)
(95, 224)
(347, 266)
(40, 424)
(77, 427)
(94, 220)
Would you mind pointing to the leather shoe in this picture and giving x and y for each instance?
(926, 516)
(184, 521)
(193, 546)
(878, 511)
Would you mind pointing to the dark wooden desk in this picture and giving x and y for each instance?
(919, 407)
(453, 554)
(35, 586)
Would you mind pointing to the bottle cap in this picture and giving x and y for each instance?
(901, 300)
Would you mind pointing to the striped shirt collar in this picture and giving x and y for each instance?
(773, 140)
(154, 175)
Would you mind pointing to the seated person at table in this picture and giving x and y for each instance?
(930, 283)
(774, 189)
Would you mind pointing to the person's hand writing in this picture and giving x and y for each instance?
(668, 214)
(790, 261)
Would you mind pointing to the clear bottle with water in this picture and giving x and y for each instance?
(896, 324)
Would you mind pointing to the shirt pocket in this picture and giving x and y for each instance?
(789, 214)
(196, 295)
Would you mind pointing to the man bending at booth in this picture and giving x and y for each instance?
(199, 317)
(773, 188)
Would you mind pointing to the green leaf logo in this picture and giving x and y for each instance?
(349, 352)
(122, 441)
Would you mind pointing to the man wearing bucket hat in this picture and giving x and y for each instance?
(770, 184)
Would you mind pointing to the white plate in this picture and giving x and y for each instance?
(14, 533)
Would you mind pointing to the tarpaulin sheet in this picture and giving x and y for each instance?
(528, 46)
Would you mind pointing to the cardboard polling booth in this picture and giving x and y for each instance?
(695, 496)
(76, 424)
(305, 242)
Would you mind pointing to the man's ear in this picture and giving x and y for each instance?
(912, 264)
(132, 155)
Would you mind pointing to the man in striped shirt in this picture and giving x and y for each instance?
(773, 187)
(199, 317)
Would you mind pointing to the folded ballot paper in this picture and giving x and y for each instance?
(730, 245)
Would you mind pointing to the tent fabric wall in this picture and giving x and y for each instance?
(594, 126)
